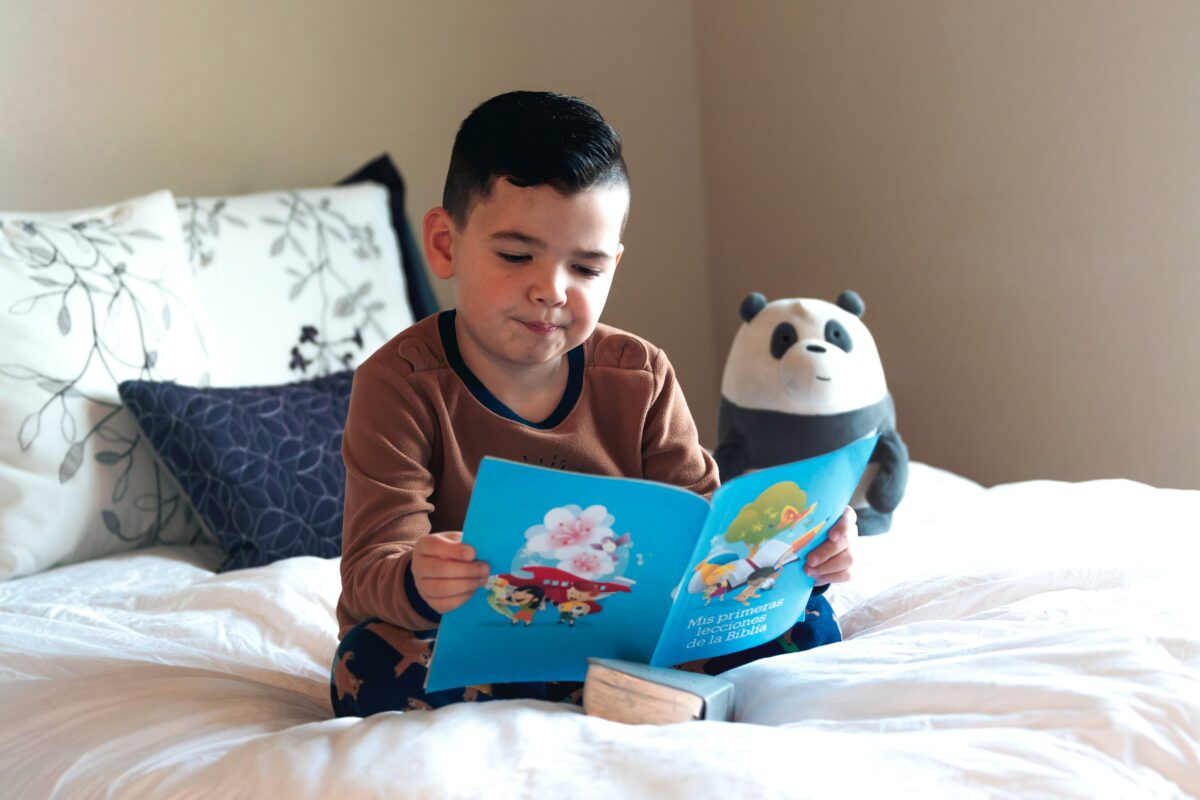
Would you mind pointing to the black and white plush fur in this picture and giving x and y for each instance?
(803, 378)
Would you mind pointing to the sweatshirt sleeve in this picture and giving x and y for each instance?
(388, 498)
(671, 450)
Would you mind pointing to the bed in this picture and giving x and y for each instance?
(1036, 639)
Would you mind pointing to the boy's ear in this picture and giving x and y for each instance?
(439, 242)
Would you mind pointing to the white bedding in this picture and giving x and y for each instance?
(1036, 639)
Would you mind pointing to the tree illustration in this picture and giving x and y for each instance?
(760, 519)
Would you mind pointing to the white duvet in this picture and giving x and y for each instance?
(1031, 640)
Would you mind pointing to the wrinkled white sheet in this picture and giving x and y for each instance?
(1032, 640)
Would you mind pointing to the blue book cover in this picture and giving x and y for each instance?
(586, 565)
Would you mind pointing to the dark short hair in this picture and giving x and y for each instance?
(537, 592)
(761, 572)
(531, 139)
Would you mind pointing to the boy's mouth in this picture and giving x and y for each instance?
(541, 328)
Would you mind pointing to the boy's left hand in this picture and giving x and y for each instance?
(830, 562)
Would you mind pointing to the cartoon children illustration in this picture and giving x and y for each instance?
(584, 592)
(529, 600)
(498, 594)
(717, 589)
(716, 579)
(571, 610)
(581, 601)
(762, 578)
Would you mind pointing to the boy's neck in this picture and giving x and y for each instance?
(533, 392)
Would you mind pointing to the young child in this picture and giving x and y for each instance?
(530, 227)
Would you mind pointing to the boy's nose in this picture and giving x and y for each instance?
(550, 289)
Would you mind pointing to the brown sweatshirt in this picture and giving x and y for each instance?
(420, 422)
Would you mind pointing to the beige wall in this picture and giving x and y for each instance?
(1013, 187)
(106, 98)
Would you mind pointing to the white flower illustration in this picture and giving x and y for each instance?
(569, 528)
(585, 562)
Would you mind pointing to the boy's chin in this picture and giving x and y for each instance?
(560, 342)
(539, 357)
(540, 353)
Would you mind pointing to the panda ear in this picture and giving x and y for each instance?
(754, 303)
(850, 301)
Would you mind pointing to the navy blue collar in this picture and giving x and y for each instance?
(490, 401)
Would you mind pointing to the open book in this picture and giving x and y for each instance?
(585, 565)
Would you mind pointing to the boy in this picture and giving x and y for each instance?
(535, 202)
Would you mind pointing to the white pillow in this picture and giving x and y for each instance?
(89, 299)
(295, 284)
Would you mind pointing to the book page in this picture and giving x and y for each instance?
(581, 565)
(745, 584)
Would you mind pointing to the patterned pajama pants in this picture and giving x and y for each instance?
(379, 667)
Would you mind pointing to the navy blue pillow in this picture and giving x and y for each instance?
(420, 294)
(262, 465)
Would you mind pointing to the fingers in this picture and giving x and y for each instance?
(445, 585)
(439, 569)
(427, 566)
(846, 526)
(839, 537)
(445, 570)
(820, 558)
(838, 565)
(447, 588)
(444, 545)
(830, 563)
(836, 577)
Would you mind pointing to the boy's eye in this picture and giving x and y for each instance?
(515, 258)
(588, 272)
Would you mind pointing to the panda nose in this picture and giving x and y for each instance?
(815, 348)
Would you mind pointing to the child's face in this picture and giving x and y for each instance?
(574, 593)
(533, 268)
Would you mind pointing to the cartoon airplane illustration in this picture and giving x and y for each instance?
(555, 583)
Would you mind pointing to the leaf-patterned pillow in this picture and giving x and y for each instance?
(89, 299)
(297, 283)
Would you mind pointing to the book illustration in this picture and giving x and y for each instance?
(636, 570)
(755, 548)
(571, 561)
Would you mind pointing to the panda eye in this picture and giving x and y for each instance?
(783, 338)
(837, 336)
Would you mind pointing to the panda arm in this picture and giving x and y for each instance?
(887, 488)
(731, 458)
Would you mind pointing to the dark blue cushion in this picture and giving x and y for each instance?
(420, 294)
(262, 465)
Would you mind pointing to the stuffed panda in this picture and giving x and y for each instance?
(803, 378)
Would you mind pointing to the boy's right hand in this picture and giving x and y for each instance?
(445, 570)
